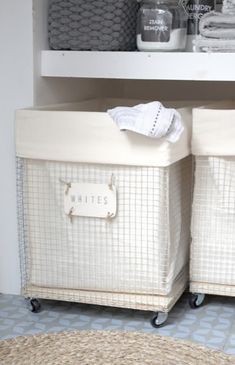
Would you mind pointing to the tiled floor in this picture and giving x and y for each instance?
(212, 325)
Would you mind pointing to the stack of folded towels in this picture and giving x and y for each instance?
(217, 30)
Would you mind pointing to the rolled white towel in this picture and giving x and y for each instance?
(152, 120)
(217, 25)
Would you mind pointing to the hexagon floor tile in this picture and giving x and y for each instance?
(212, 325)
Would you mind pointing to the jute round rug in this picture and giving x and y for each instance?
(106, 348)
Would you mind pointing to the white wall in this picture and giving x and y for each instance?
(23, 34)
(16, 91)
(56, 90)
(179, 90)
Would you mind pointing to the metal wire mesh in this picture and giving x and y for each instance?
(213, 229)
(137, 260)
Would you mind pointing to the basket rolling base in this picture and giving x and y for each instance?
(200, 290)
(34, 305)
(196, 300)
(159, 319)
(159, 304)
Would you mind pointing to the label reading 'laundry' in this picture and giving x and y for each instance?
(195, 10)
(90, 200)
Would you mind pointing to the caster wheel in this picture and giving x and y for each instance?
(34, 305)
(196, 300)
(159, 319)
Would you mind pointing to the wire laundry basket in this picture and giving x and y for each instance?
(129, 247)
(212, 259)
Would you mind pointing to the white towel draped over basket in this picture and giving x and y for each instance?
(137, 259)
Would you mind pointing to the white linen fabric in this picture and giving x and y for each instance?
(68, 133)
(213, 211)
(143, 250)
(214, 130)
(213, 229)
(151, 119)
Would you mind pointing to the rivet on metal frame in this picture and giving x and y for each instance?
(68, 186)
(111, 182)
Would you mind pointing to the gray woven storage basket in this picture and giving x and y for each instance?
(96, 25)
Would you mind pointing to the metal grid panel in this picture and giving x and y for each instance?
(142, 251)
(213, 228)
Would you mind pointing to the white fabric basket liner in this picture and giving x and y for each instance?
(84, 132)
(214, 130)
(143, 250)
(213, 228)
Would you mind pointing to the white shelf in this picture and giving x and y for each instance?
(139, 65)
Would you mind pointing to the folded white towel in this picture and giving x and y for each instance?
(217, 25)
(151, 119)
(203, 44)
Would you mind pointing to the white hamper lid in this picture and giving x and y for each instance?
(84, 132)
(214, 130)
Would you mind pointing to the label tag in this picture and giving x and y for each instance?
(195, 10)
(90, 200)
(156, 25)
